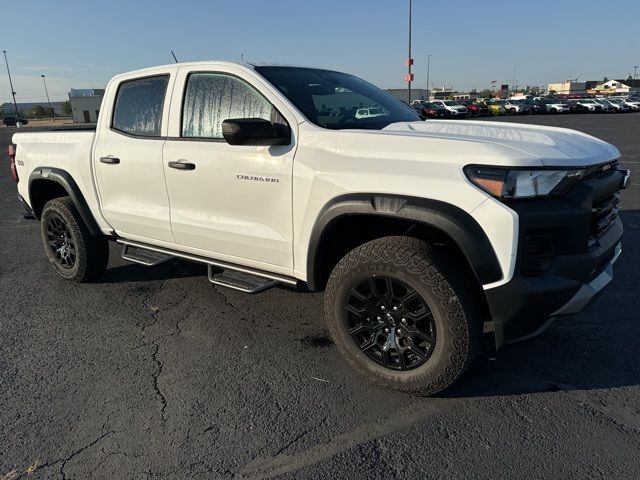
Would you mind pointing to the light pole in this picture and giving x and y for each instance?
(12, 92)
(635, 71)
(409, 61)
(428, 67)
(48, 101)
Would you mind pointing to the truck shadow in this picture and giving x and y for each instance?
(132, 272)
(597, 349)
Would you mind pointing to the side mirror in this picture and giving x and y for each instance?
(255, 131)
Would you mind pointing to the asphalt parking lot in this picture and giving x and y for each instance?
(156, 373)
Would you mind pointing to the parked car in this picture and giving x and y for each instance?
(557, 105)
(454, 108)
(12, 121)
(421, 234)
(476, 109)
(606, 106)
(535, 107)
(370, 112)
(512, 107)
(432, 110)
(619, 105)
(632, 103)
(588, 105)
(494, 108)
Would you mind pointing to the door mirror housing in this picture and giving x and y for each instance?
(255, 131)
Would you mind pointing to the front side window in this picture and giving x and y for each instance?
(211, 98)
(334, 100)
(139, 104)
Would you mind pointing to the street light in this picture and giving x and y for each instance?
(48, 101)
(409, 61)
(428, 66)
(12, 92)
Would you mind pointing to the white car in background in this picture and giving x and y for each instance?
(370, 112)
(632, 103)
(606, 106)
(619, 105)
(589, 105)
(454, 109)
(555, 105)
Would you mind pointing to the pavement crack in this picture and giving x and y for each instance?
(228, 302)
(63, 461)
(156, 387)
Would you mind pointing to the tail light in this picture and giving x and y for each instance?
(12, 162)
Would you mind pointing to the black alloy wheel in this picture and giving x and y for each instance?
(61, 241)
(391, 323)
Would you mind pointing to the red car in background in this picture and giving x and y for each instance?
(475, 109)
(430, 110)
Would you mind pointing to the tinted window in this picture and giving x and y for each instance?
(139, 104)
(213, 97)
(332, 99)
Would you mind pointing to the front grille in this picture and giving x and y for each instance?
(604, 214)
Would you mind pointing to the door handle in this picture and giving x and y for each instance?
(182, 165)
(110, 160)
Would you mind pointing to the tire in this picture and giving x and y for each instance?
(74, 253)
(444, 288)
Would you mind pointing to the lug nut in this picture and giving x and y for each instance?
(383, 308)
(404, 320)
(395, 309)
(378, 318)
(386, 330)
(398, 331)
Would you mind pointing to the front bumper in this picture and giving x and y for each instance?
(577, 266)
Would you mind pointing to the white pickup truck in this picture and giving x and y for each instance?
(421, 233)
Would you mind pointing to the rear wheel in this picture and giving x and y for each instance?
(74, 253)
(401, 314)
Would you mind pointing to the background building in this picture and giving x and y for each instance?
(403, 94)
(568, 88)
(85, 104)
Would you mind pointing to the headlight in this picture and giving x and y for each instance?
(505, 183)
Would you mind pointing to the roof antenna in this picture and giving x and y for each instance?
(174, 56)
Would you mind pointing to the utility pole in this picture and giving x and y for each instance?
(428, 67)
(48, 101)
(12, 92)
(409, 61)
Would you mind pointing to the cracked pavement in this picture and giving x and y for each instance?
(155, 373)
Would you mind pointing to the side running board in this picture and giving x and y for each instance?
(238, 277)
(143, 256)
(245, 282)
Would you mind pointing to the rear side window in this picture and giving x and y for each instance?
(211, 98)
(139, 104)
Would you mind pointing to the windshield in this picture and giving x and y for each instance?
(451, 103)
(335, 100)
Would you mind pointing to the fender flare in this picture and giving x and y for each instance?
(457, 224)
(64, 179)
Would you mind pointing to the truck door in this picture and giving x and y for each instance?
(128, 159)
(230, 202)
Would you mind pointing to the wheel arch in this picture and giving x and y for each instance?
(438, 220)
(46, 183)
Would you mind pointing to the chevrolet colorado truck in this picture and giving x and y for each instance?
(422, 234)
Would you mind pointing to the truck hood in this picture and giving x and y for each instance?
(554, 147)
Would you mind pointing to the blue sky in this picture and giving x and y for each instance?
(82, 44)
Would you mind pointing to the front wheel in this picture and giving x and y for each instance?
(401, 315)
(74, 253)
